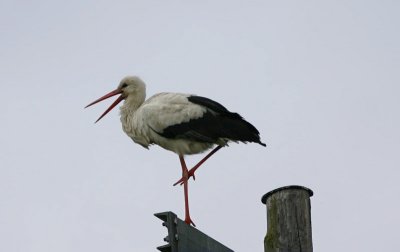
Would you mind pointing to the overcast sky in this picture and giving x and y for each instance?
(319, 79)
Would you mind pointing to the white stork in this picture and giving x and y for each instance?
(183, 123)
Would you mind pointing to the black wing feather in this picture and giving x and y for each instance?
(216, 123)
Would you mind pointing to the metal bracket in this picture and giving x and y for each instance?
(185, 238)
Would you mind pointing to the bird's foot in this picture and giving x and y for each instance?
(189, 221)
(182, 180)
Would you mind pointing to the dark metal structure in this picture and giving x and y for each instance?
(185, 238)
(289, 220)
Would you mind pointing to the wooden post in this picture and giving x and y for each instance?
(288, 220)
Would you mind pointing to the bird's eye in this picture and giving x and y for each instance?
(124, 85)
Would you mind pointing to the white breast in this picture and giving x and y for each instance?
(156, 114)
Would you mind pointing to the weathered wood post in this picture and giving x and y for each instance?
(288, 219)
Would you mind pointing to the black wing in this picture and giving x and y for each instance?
(216, 123)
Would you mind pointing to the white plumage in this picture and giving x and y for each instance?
(160, 111)
(182, 123)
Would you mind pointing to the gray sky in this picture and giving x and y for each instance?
(319, 79)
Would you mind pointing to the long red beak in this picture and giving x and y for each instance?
(112, 93)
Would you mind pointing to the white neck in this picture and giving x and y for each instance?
(132, 103)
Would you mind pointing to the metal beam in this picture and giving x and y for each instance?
(185, 238)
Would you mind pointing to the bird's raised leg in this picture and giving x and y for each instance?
(191, 171)
(185, 176)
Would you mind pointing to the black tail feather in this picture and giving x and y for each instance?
(235, 128)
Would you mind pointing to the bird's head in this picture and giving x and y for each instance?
(130, 86)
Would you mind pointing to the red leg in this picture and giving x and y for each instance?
(185, 173)
(191, 172)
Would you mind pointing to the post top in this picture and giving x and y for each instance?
(298, 187)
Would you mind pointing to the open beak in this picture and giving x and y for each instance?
(112, 93)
